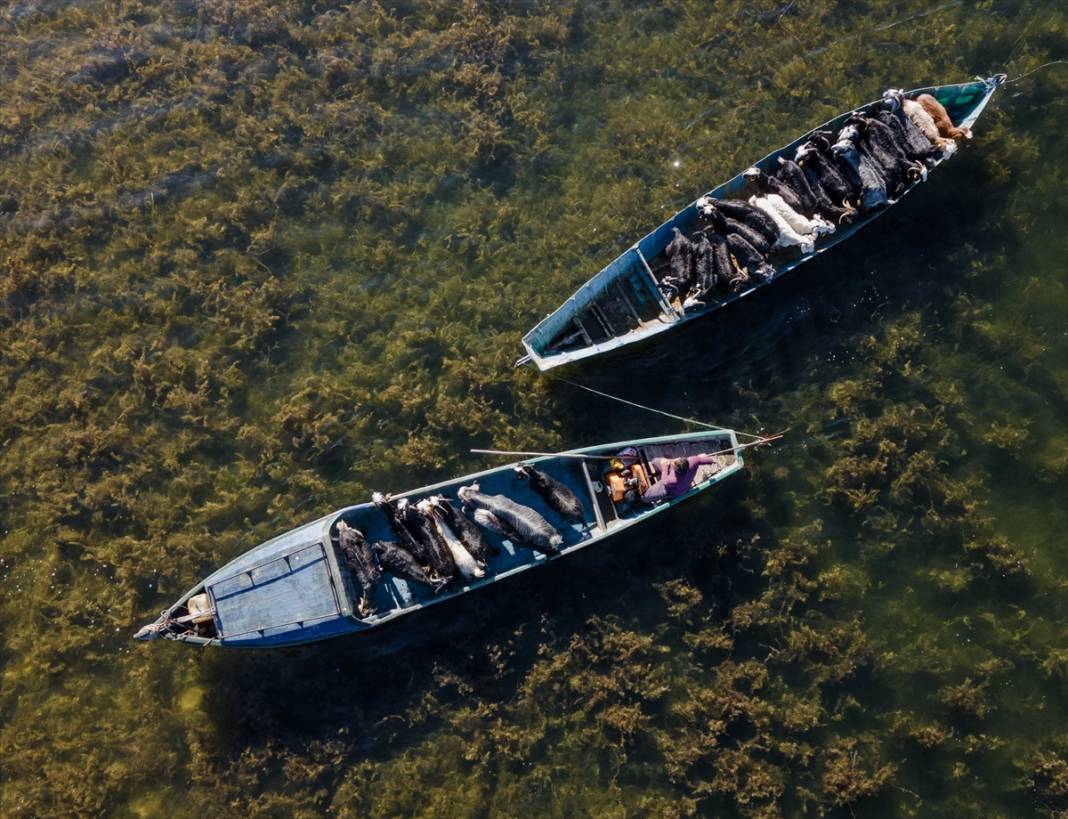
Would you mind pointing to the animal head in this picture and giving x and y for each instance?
(858, 121)
(377, 498)
(894, 97)
(804, 151)
(402, 504)
(425, 506)
(464, 492)
(850, 133)
(349, 533)
(524, 471)
(821, 140)
(752, 174)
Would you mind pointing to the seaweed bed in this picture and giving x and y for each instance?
(260, 258)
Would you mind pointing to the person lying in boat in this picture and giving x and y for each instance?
(675, 476)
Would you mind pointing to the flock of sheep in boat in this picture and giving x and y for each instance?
(831, 180)
(438, 544)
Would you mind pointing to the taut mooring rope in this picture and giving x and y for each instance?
(653, 409)
(1033, 70)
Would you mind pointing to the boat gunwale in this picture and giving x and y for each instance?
(663, 322)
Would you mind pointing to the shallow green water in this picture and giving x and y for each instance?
(259, 259)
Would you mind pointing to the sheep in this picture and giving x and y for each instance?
(704, 269)
(910, 139)
(722, 270)
(817, 225)
(788, 237)
(464, 527)
(814, 197)
(531, 527)
(748, 257)
(858, 165)
(402, 563)
(464, 561)
(406, 537)
(680, 259)
(426, 532)
(747, 214)
(878, 142)
(765, 184)
(559, 497)
(920, 118)
(941, 118)
(361, 562)
(724, 225)
(822, 171)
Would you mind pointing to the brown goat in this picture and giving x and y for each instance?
(938, 113)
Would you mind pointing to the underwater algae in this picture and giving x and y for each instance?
(260, 259)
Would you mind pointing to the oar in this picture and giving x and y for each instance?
(760, 441)
(541, 454)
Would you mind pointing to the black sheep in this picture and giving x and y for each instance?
(361, 562)
(820, 169)
(426, 532)
(909, 138)
(399, 528)
(466, 529)
(721, 257)
(862, 170)
(752, 216)
(813, 197)
(402, 563)
(769, 184)
(879, 142)
(555, 494)
(754, 237)
(789, 174)
(719, 271)
(704, 264)
(724, 225)
(680, 258)
(749, 257)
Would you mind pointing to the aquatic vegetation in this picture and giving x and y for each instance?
(260, 259)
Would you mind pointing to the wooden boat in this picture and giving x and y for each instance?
(296, 588)
(623, 304)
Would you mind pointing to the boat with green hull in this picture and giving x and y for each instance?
(624, 303)
(296, 588)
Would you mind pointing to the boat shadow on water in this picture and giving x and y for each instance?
(391, 685)
(914, 258)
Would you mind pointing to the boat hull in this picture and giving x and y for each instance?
(263, 601)
(964, 102)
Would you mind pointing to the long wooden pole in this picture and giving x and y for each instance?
(758, 442)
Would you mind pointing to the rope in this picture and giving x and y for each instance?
(1033, 70)
(653, 409)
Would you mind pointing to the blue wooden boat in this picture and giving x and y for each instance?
(296, 588)
(623, 303)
